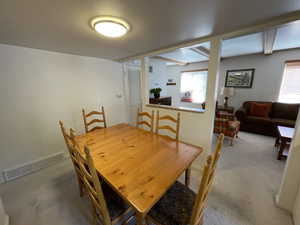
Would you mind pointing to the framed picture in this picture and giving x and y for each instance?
(239, 78)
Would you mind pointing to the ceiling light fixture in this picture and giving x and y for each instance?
(109, 26)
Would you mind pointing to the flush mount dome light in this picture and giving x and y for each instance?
(110, 26)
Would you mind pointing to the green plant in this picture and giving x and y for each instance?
(155, 91)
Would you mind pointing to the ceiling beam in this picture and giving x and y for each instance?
(269, 40)
(258, 27)
(201, 50)
(180, 63)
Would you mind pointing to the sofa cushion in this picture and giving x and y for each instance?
(285, 111)
(247, 105)
(258, 120)
(284, 122)
(260, 109)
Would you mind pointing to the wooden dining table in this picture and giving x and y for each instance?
(139, 165)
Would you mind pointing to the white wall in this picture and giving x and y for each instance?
(290, 184)
(267, 78)
(296, 210)
(159, 75)
(296, 174)
(39, 88)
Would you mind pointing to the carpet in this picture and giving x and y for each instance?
(247, 180)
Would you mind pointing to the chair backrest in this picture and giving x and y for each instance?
(93, 186)
(87, 124)
(167, 127)
(144, 122)
(70, 142)
(206, 183)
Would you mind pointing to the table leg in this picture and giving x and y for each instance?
(187, 176)
(140, 218)
(281, 149)
(277, 142)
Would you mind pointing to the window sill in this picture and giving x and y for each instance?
(184, 109)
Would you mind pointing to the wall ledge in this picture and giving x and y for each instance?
(184, 109)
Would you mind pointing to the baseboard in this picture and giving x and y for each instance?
(22, 170)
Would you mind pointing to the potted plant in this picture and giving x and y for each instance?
(156, 92)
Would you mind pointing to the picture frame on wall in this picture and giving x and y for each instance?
(239, 78)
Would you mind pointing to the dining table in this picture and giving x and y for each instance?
(139, 165)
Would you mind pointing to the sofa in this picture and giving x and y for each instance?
(283, 114)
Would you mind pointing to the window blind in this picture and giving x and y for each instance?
(290, 85)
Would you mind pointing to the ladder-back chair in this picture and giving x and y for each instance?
(87, 124)
(144, 122)
(167, 127)
(180, 205)
(175, 131)
(107, 206)
(69, 140)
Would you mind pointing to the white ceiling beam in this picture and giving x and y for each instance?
(180, 63)
(269, 40)
(201, 50)
(275, 21)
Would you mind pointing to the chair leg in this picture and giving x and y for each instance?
(187, 176)
(94, 216)
(201, 221)
(231, 141)
(81, 192)
(81, 188)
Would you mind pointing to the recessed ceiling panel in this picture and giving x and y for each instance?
(204, 44)
(288, 37)
(184, 55)
(243, 45)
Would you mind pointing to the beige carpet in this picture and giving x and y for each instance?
(247, 180)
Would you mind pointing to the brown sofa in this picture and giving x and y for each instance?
(280, 114)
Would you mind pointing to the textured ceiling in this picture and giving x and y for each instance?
(63, 25)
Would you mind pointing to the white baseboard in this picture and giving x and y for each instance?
(33, 166)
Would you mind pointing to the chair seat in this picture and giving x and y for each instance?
(115, 204)
(175, 207)
(233, 125)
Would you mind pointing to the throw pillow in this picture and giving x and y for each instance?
(260, 109)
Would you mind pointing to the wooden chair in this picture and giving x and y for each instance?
(108, 207)
(167, 127)
(176, 132)
(144, 122)
(93, 121)
(180, 205)
(69, 140)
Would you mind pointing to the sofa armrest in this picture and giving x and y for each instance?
(241, 114)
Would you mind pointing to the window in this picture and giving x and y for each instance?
(290, 85)
(193, 86)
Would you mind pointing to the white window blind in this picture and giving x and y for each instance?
(194, 83)
(290, 85)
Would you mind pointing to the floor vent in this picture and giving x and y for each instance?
(10, 174)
